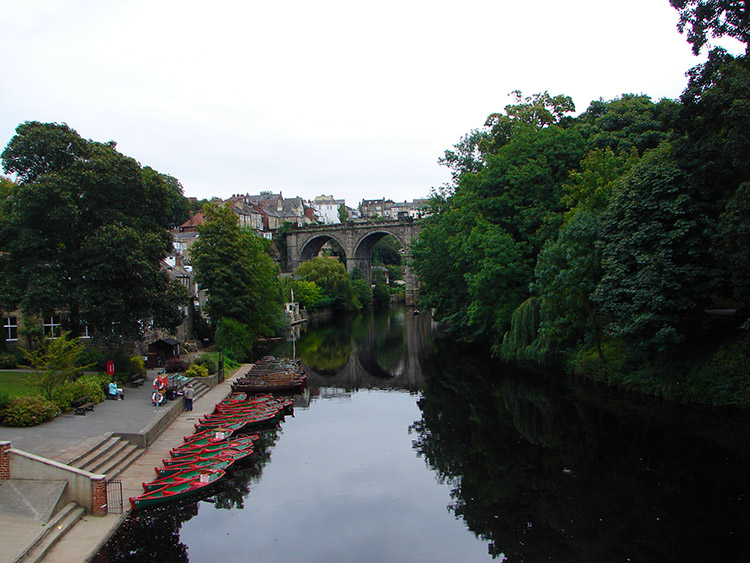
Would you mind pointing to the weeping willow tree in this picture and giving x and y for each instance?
(523, 342)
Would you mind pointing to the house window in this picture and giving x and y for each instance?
(10, 328)
(51, 326)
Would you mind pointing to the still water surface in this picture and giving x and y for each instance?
(410, 448)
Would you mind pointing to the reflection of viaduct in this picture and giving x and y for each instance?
(357, 241)
(363, 370)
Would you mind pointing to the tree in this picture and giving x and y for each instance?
(166, 194)
(732, 242)
(58, 362)
(655, 275)
(714, 18)
(83, 234)
(331, 276)
(234, 339)
(234, 268)
(343, 213)
(566, 274)
(466, 158)
(629, 122)
(475, 256)
(387, 251)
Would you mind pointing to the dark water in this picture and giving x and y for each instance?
(409, 447)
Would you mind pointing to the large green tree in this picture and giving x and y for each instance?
(83, 234)
(656, 278)
(713, 18)
(475, 256)
(331, 276)
(234, 267)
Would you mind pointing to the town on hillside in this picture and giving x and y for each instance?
(266, 214)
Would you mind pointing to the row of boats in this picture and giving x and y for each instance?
(272, 375)
(220, 441)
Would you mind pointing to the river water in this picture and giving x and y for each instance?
(410, 447)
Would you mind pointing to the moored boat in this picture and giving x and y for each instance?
(213, 462)
(176, 491)
(248, 421)
(241, 442)
(179, 477)
(272, 375)
(236, 454)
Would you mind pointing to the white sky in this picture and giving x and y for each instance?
(352, 99)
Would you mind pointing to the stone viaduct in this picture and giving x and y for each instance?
(357, 240)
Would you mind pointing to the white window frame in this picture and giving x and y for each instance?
(10, 325)
(50, 328)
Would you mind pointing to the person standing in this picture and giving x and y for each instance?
(189, 394)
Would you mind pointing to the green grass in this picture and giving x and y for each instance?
(17, 383)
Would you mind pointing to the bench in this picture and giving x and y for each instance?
(136, 380)
(82, 405)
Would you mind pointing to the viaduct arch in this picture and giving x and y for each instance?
(357, 240)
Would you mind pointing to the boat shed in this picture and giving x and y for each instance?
(162, 350)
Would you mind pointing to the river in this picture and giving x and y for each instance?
(408, 446)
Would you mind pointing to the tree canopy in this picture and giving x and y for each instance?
(84, 234)
(331, 276)
(604, 238)
(235, 269)
(713, 18)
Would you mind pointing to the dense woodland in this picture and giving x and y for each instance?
(602, 242)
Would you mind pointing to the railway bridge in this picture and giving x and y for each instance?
(357, 241)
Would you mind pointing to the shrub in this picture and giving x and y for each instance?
(135, 365)
(7, 361)
(196, 370)
(95, 358)
(175, 364)
(90, 385)
(63, 396)
(209, 361)
(5, 399)
(29, 411)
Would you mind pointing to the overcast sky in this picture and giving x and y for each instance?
(340, 97)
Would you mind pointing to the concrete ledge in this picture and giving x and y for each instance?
(26, 466)
(144, 439)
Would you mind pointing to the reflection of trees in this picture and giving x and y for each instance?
(543, 477)
(327, 348)
(389, 341)
(235, 487)
(151, 535)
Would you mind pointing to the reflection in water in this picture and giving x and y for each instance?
(548, 473)
(535, 468)
(381, 348)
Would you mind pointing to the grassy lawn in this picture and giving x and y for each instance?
(17, 383)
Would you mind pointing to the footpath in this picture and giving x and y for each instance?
(68, 437)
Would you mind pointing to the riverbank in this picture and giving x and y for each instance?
(57, 439)
(716, 374)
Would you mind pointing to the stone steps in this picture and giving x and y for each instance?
(110, 457)
(55, 529)
(200, 389)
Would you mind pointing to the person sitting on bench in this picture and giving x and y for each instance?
(115, 391)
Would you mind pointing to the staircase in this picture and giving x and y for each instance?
(106, 455)
(56, 528)
(109, 457)
(200, 388)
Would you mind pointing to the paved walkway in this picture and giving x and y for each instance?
(63, 438)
